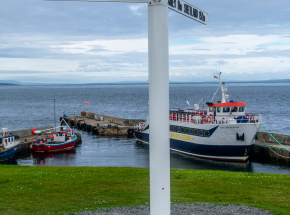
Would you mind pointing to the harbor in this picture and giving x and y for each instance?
(266, 144)
(113, 145)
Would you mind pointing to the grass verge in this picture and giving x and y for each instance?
(58, 190)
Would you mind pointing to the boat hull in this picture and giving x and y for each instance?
(221, 144)
(8, 154)
(54, 147)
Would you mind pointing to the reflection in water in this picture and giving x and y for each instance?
(40, 158)
(181, 161)
(11, 162)
(123, 151)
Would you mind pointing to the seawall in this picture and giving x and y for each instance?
(267, 148)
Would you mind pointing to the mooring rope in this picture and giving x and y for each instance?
(274, 139)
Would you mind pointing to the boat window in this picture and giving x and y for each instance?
(178, 129)
(200, 132)
(218, 109)
(0, 140)
(226, 109)
(210, 109)
(241, 109)
(234, 109)
(182, 130)
(174, 128)
(206, 133)
(196, 132)
(191, 131)
(186, 130)
(5, 140)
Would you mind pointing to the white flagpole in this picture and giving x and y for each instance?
(159, 108)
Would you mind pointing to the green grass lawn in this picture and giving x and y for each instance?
(58, 190)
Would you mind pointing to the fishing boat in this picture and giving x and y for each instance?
(224, 131)
(8, 145)
(61, 138)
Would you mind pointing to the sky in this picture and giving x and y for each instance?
(95, 42)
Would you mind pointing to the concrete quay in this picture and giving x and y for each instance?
(267, 148)
(103, 125)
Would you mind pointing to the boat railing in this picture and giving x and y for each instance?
(210, 119)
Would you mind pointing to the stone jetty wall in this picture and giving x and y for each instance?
(111, 119)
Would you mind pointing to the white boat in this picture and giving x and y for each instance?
(222, 132)
(8, 145)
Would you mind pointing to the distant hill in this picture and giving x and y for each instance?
(231, 81)
(9, 82)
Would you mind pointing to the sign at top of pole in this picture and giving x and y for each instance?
(179, 6)
(188, 10)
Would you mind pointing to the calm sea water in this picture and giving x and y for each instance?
(33, 106)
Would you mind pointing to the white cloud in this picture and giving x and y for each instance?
(28, 64)
(138, 9)
(108, 47)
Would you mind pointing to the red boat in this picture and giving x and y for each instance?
(62, 138)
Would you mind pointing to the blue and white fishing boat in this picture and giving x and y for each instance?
(222, 132)
(8, 145)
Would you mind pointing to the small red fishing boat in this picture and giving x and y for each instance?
(62, 138)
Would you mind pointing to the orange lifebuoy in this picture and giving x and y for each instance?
(208, 119)
(252, 117)
(203, 118)
(247, 116)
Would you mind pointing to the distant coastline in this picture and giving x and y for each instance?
(146, 82)
(4, 84)
(201, 82)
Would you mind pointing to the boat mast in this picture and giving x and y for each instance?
(54, 116)
(223, 89)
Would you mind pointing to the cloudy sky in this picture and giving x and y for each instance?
(91, 42)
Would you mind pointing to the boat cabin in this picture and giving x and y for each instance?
(6, 141)
(226, 109)
(62, 136)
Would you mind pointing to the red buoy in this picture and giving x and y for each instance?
(33, 131)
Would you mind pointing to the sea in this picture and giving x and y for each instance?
(32, 106)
